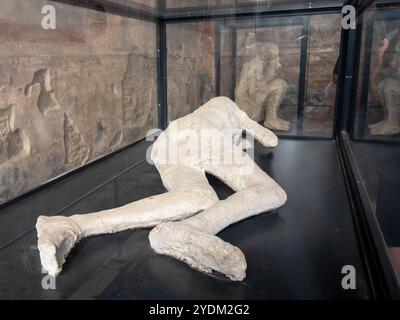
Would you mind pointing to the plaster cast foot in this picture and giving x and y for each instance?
(277, 124)
(284, 124)
(56, 237)
(386, 129)
(201, 251)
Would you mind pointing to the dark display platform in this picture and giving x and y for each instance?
(297, 252)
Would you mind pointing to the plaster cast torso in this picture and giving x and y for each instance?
(218, 120)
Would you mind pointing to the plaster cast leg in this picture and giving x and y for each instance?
(189, 193)
(273, 102)
(193, 240)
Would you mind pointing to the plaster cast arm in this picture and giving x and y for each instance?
(265, 136)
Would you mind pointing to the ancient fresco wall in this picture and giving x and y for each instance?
(70, 95)
(191, 66)
(323, 52)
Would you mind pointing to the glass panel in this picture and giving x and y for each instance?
(279, 70)
(376, 129)
(73, 94)
(376, 116)
(273, 49)
(323, 52)
(190, 66)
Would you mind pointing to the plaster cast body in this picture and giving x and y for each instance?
(260, 92)
(189, 215)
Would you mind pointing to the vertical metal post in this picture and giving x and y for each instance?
(218, 57)
(234, 60)
(343, 119)
(346, 97)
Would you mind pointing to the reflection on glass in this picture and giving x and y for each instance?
(321, 85)
(303, 89)
(378, 107)
(274, 50)
(279, 70)
(377, 121)
(260, 91)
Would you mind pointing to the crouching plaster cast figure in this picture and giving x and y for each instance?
(260, 92)
(188, 217)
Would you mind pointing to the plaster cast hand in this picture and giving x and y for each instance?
(265, 136)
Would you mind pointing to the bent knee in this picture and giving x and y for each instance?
(282, 196)
(274, 193)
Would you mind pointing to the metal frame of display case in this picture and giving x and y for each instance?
(381, 274)
(240, 14)
(118, 7)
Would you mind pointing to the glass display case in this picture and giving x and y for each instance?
(372, 128)
(80, 100)
(210, 58)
